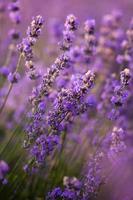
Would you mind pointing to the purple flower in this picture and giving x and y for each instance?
(93, 178)
(55, 29)
(89, 39)
(69, 195)
(117, 142)
(69, 99)
(71, 23)
(72, 182)
(4, 168)
(125, 77)
(55, 194)
(13, 77)
(14, 13)
(71, 26)
(43, 146)
(70, 192)
(48, 79)
(25, 47)
(4, 71)
(35, 28)
(15, 35)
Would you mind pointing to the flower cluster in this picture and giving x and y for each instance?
(117, 141)
(48, 79)
(116, 93)
(14, 10)
(121, 92)
(111, 36)
(84, 189)
(71, 26)
(125, 58)
(27, 44)
(68, 100)
(66, 104)
(4, 169)
(43, 90)
(93, 179)
(72, 189)
(68, 127)
(43, 147)
(89, 39)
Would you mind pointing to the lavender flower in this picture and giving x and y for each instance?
(4, 168)
(63, 127)
(121, 93)
(117, 142)
(70, 192)
(93, 178)
(13, 78)
(15, 35)
(55, 194)
(125, 58)
(49, 78)
(67, 103)
(71, 26)
(34, 30)
(111, 37)
(68, 100)
(25, 49)
(85, 189)
(43, 146)
(44, 88)
(125, 77)
(71, 23)
(89, 39)
(27, 44)
(55, 30)
(4, 71)
(115, 93)
(14, 12)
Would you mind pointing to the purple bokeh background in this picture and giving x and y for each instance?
(81, 8)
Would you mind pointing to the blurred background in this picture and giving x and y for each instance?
(81, 8)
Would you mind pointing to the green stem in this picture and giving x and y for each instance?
(10, 86)
(8, 58)
(5, 100)
(63, 142)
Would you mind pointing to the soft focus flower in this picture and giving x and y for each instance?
(4, 168)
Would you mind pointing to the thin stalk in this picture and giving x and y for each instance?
(10, 86)
(9, 55)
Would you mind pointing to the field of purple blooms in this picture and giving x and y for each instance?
(66, 100)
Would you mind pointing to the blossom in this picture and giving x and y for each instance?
(93, 178)
(71, 26)
(117, 141)
(13, 77)
(70, 192)
(125, 77)
(43, 146)
(26, 46)
(69, 99)
(89, 39)
(4, 168)
(14, 12)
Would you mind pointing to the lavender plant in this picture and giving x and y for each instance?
(66, 104)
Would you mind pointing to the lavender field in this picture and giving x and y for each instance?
(66, 100)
